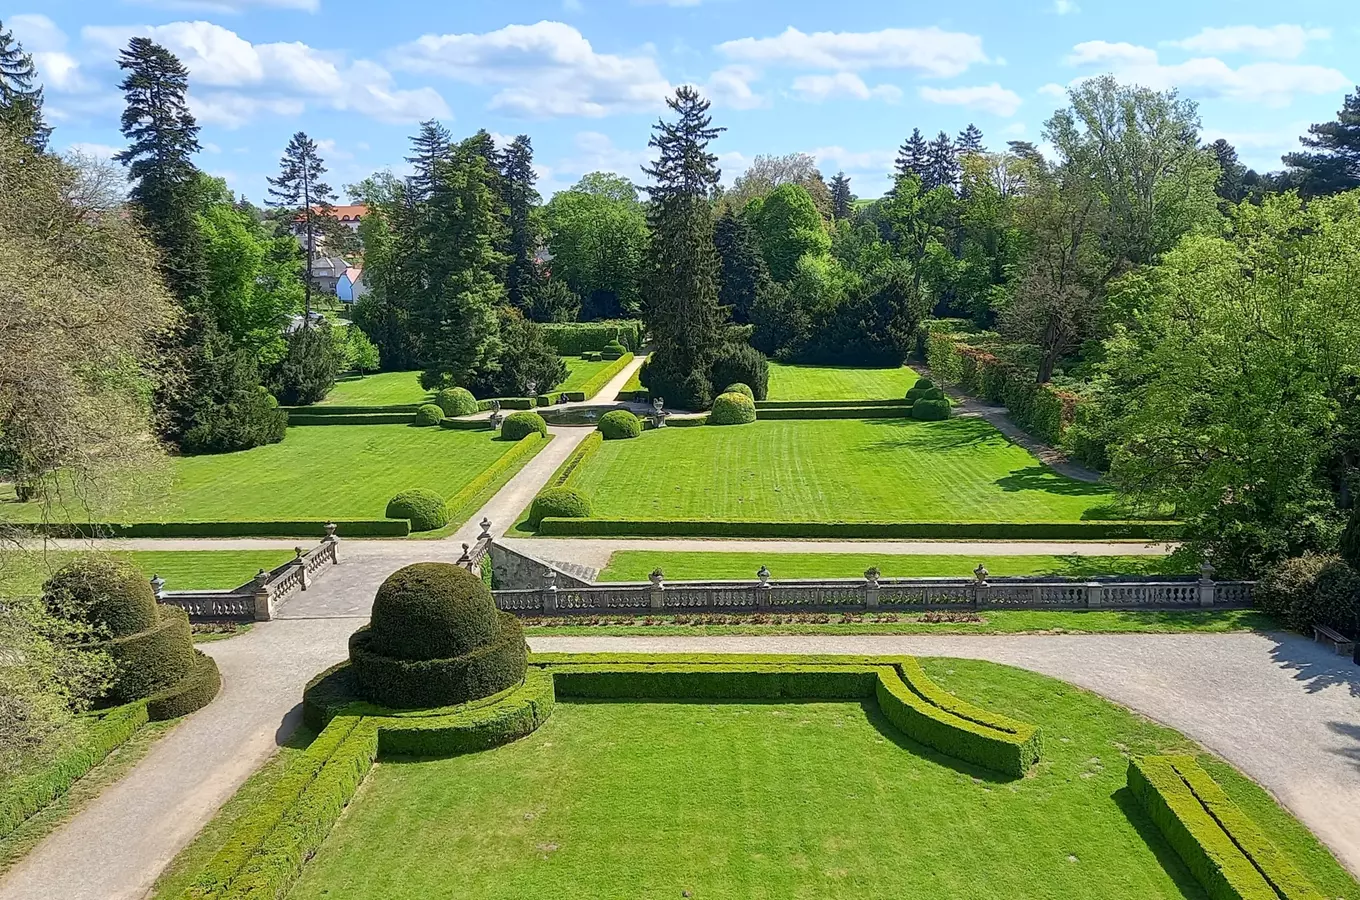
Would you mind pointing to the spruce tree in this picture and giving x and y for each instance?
(743, 273)
(969, 140)
(21, 100)
(914, 156)
(300, 190)
(682, 269)
(842, 200)
(1333, 165)
(429, 147)
(942, 164)
(521, 201)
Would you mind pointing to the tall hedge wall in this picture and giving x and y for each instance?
(576, 338)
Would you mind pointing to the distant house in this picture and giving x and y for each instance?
(350, 216)
(327, 272)
(351, 288)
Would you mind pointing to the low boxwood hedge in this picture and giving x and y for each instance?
(762, 405)
(1227, 853)
(562, 502)
(153, 660)
(613, 350)
(1049, 531)
(423, 508)
(838, 412)
(597, 381)
(520, 425)
(619, 425)
(476, 489)
(192, 692)
(584, 451)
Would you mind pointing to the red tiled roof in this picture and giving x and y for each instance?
(347, 213)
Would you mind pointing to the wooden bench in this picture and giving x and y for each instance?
(1343, 644)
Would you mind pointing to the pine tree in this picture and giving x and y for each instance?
(300, 190)
(743, 274)
(942, 166)
(1232, 175)
(969, 141)
(1334, 164)
(164, 138)
(842, 200)
(21, 102)
(521, 200)
(914, 156)
(428, 148)
(682, 269)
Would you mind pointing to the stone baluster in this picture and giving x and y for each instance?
(871, 576)
(264, 607)
(763, 589)
(550, 590)
(305, 579)
(333, 542)
(158, 587)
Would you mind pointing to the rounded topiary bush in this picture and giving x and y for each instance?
(425, 508)
(106, 592)
(613, 350)
(620, 425)
(732, 409)
(428, 415)
(925, 389)
(739, 363)
(559, 503)
(739, 388)
(931, 410)
(456, 402)
(522, 424)
(436, 639)
(152, 660)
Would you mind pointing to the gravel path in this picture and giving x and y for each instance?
(1280, 708)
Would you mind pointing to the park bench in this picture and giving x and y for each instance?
(1338, 640)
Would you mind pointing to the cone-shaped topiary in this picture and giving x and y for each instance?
(732, 409)
(522, 424)
(428, 414)
(456, 402)
(436, 639)
(425, 508)
(104, 591)
(739, 388)
(619, 425)
(559, 503)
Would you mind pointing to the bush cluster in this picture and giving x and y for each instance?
(924, 389)
(106, 592)
(613, 350)
(428, 414)
(426, 510)
(931, 410)
(619, 425)
(740, 363)
(1313, 589)
(559, 503)
(739, 388)
(520, 425)
(732, 409)
(456, 401)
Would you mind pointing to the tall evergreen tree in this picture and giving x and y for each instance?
(21, 100)
(1333, 165)
(431, 145)
(1232, 177)
(914, 156)
(969, 141)
(942, 165)
(744, 274)
(682, 269)
(521, 201)
(300, 190)
(842, 200)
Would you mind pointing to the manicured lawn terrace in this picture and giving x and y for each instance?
(846, 470)
(22, 574)
(789, 382)
(769, 800)
(637, 565)
(338, 472)
(399, 388)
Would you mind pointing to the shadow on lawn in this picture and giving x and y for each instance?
(876, 718)
(933, 437)
(1157, 843)
(1042, 478)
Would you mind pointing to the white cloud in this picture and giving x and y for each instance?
(61, 72)
(1054, 90)
(1015, 129)
(929, 51)
(1260, 150)
(232, 6)
(233, 81)
(818, 88)
(102, 152)
(1065, 7)
(837, 158)
(1100, 53)
(731, 87)
(543, 70)
(597, 152)
(992, 98)
(1276, 42)
(36, 32)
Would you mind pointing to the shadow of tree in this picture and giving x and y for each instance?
(1352, 731)
(933, 437)
(1042, 478)
(1318, 666)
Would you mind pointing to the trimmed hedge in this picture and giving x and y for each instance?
(427, 416)
(584, 451)
(600, 379)
(732, 409)
(22, 797)
(839, 412)
(402, 418)
(416, 683)
(425, 509)
(320, 411)
(763, 405)
(472, 727)
(315, 528)
(580, 338)
(559, 503)
(107, 592)
(619, 425)
(931, 410)
(613, 351)
(431, 611)
(153, 660)
(739, 388)
(520, 425)
(474, 489)
(1222, 847)
(456, 401)
(1052, 531)
(736, 681)
(466, 424)
(193, 692)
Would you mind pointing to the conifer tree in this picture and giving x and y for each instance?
(1333, 165)
(521, 201)
(300, 190)
(743, 274)
(914, 156)
(21, 101)
(842, 200)
(969, 141)
(942, 164)
(682, 269)
(430, 146)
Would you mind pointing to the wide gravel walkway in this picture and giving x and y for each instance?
(1282, 709)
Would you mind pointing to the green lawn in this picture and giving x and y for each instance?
(636, 565)
(579, 372)
(383, 389)
(332, 472)
(789, 382)
(790, 801)
(22, 574)
(846, 470)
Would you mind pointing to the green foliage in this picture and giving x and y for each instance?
(106, 592)
(359, 352)
(226, 408)
(559, 503)
(1329, 165)
(1312, 589)
(192, 692)
(620, 424)
(740, 363)
(732, 409)
(925, 410)
(743, 274)
(524, 357)
(431, 611)
(522, 222)
(475, 492)
(597, 233)
(307, 372)
(152, 660)
(593, 385)
(426, 509)
(613, 350)
(428, 414)
(1350, 540)
(739, 388)
(306, 199)
(1043, 410)
(21, 95)
(423, 683)
(456, 402)
(789, 227)
(519, 425)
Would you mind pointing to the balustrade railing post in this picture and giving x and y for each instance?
(1095, 594)
(332, 542)
(656, 594)
(763, 589)
(304, 580)
(871, 588)
(1206, 583)
(264, 607)
(550, 590)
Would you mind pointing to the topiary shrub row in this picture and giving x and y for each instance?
(597, 382)
(456, 401)
(732, 409)
(153, 660)
(428, 415)
(559, 503)
(194, 691)
(418, 683)
(619, 425)
(520, 425)
(425, 509)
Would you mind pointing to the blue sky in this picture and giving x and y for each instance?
(846, 81)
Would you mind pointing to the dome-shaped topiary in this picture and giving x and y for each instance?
(732, 409)
(425, 508)
(432, 611)
(620, 425)
(104, 591)
(924, 389)
(740, 388)
(522, 424)
(613, 350)
(428, 415)
(931, 410)
(456, 402)
(559, 503)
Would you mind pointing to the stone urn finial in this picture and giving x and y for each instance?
(657, 578)
(980, 575)
(871, 575)
(158, 586)
(764, 576)
(486, 530)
